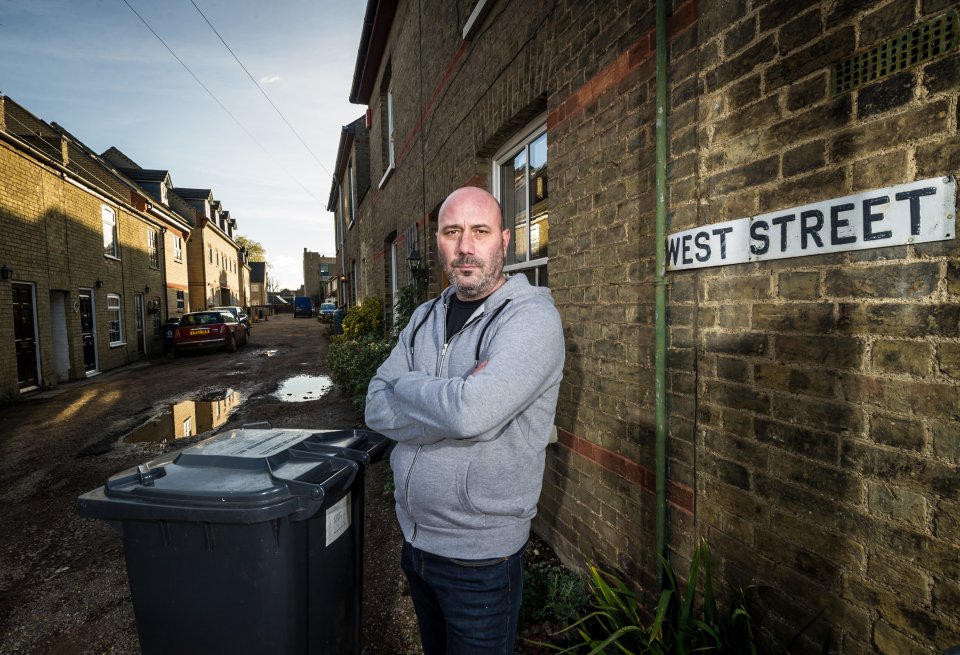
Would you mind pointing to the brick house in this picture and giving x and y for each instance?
(213, 255)
(258, 284)
(159, 185)
(808, 401)
(348, 191)
(81, 289)
(320, 275)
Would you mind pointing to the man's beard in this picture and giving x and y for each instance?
(482, 279)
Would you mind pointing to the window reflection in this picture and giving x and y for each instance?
(524, 195)
(539, 205)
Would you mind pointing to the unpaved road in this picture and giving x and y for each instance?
(63, 581)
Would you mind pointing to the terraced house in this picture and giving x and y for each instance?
(746, 213)
(82, 266)
(96, 253)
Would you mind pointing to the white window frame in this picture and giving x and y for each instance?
(395, 275)
(187, 426)
(352, 196)
(177, 248)
(391, 143)
(531, 132)
(153, 250)
(475, 18)
(118, 308)
(180, 297)
(108, 216)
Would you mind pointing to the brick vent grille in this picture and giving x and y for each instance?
(925, 42)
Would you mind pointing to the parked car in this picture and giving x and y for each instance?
(327, 308)
(302, 306)
(208, 330)
(238, 313)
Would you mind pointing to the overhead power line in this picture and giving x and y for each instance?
(217, 100)
(260, 88)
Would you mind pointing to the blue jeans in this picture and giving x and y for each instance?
(465, 607)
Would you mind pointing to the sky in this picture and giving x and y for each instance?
(94, 68)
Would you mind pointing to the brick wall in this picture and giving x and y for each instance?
(826, 400)
(811, 401)
(52, 238)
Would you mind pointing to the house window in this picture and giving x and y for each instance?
(210, 254)
(152, 250)
(522, 187)
(324, 270)
(387, 133)
(109, 230)
(177, 249)
(157, 327)
(350, 198)
(114, 319)
(188, 426)
(180, 302)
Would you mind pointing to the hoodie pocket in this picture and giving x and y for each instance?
(438, 489)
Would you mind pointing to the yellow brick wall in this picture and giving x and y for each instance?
(210, 269)
(51, 236)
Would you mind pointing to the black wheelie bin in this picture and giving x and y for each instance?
(248, 542)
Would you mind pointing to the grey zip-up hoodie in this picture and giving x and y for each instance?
(468, 465)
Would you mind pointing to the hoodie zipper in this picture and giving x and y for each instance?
(440, 362)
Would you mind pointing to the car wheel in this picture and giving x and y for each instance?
(232, 344)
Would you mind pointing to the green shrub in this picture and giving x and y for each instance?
(409, 298)
(355, 355)
(364, 320)
(353, 363)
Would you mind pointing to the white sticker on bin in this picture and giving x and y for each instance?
(338, 519)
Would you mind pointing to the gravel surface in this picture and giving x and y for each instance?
(63, 580)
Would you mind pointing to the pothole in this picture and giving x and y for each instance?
(302, 388)
(188, 418)
(263, 353)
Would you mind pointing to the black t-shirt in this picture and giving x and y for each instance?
(459, 312)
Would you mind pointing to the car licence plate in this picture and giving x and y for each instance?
(194, 333)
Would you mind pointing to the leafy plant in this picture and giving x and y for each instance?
(355, 355)
(364, 320)
(680, 624)
(408, 299)
(353, 363)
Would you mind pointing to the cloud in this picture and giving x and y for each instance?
(270, 80)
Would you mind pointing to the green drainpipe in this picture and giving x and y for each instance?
(660, 281)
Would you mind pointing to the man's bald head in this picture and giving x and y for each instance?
(472, 198)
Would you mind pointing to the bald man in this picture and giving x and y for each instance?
(469, 394)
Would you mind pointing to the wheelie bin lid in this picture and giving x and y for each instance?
(240, 476)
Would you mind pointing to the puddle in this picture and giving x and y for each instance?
(302, 388)
(188, 418)
(263, 353)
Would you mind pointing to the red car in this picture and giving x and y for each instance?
(210, 329)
